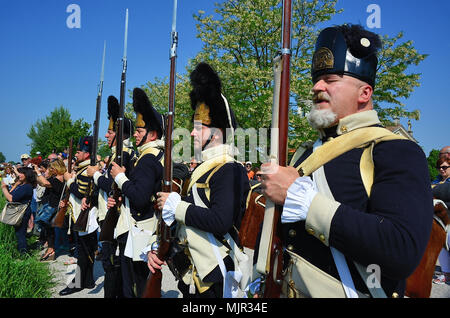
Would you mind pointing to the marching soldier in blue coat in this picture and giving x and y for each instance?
(137, 222)
(86, 241)
(111, 262)
(368, 208)
(207, 219)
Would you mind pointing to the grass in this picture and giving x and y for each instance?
(21, 276)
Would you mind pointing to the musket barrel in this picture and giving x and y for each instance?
(283, 119)
(273, 259)
(154, 280)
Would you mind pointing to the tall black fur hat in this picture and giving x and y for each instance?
(113, 114)
(85, 144)
(346, 49)
(146, 115)
(207, 100)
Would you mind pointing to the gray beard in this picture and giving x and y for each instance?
(321, 118)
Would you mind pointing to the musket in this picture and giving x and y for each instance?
(58, 220)
(82, 221)
(270, 257)
(112, 216)
(153, 285)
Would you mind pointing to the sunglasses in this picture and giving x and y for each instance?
(444, 167)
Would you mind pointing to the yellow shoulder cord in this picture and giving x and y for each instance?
(207, 166)
(366, 165)
(153, 151)
(205, 185)
(358, 138)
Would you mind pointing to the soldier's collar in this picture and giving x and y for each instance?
(126, 144)
(158, 143)
(84, 163)
(216, 151)
(351, 122)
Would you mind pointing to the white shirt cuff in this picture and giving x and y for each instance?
(298, 200)
(70, 181)
(170, 206)
(120, 179)
(144, 253)
(96, 175)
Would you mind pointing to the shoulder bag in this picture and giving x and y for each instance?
(13, 213)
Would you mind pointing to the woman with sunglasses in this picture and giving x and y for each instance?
(441, 191)
(443, 166)
(22, 192)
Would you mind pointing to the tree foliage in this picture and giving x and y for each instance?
(54, 132)
(103, 149)
(241, 39)
(432, 159)
(394, 83)
(2, 157)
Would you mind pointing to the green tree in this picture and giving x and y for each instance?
(432, 159)
(394, 82)
(2, 157)
(240, 41)
(103, 149)
(54, 132)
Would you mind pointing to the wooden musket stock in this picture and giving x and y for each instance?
(273, 279)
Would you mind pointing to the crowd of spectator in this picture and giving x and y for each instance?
(37, 181)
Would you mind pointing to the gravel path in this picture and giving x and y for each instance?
(65, 273)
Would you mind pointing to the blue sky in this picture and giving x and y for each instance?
(45, 64)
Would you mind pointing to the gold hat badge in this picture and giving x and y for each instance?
(323, 59)
(111, 125)
(202, 114)
(140, 123)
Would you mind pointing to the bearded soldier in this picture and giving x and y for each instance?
(206, 221)
(111, 262)
(358, 201)
(86, 242)
(137, 223)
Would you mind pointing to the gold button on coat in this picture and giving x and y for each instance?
(290, 247)
(322, 237)
(292, 233)
(310, 231)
